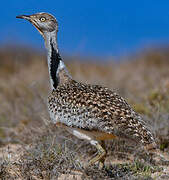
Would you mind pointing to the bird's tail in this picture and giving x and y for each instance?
(140, 132)
(147, 138)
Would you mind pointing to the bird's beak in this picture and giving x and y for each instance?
(32, 21)
(24, 17)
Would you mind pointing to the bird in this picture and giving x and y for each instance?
(89, 112)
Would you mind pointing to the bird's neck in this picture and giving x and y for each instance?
(57, 71)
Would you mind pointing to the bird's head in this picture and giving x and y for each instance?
(43, 22)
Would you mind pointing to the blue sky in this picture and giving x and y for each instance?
(90, 27)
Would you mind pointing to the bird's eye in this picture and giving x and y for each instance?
(42, 19)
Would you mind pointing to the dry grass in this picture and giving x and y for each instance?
(46, 152)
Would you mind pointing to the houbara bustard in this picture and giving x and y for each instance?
(89, 112)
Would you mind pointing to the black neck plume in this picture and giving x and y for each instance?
(54, 64)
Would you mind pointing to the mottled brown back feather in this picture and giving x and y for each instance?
(93, 107)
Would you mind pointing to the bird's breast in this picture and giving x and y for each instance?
(72, 116)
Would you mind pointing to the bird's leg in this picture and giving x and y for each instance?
(100, 155)
(102, 160)
(93, 138)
